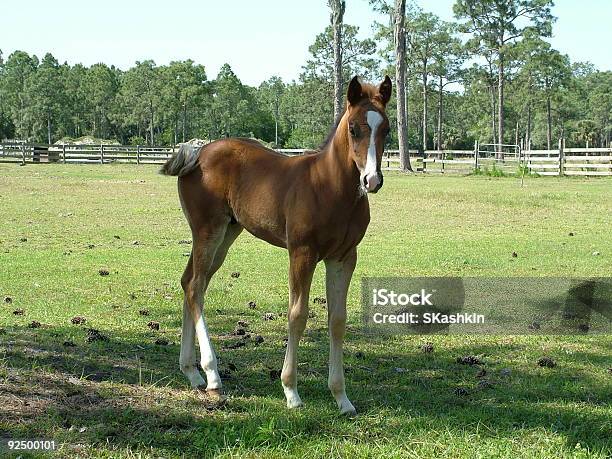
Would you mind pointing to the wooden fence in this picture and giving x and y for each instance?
(571, 161)
(91, 154)
(561, 161)
(88, 154)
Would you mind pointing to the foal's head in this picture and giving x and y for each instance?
(368, 127)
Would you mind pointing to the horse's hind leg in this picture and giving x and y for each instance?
(231, 233)
(187, 359)
(208, 243)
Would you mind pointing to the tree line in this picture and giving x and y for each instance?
(489, 76)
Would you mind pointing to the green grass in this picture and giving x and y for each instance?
(132, 401)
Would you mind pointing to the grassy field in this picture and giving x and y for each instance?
(125, 397)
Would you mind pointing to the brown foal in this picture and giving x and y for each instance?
(315, 206)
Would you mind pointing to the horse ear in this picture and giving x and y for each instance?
(385, 90)
(354, 91)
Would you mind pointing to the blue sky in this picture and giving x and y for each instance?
(257, 38)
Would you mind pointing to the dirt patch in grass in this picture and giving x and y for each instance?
(25, 397)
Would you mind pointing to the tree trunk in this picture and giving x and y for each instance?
(184, 121)
(151, 124)
(500, 102)
(548, 123)
(103, 131)
(516, 133)
(276, 104)
(440, 94)
(48, 128)
(399, 33)
(276, 133)
(493, 117)
(175, 129)
(21, 108)
(424, 128)
(337, 7)
(562, 137)
(528, 133)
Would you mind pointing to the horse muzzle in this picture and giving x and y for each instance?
(372, 182)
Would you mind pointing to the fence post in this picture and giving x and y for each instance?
(475, 155)
(101, 153)
(442, 160)
(421, 153)
(64, 153)
(561, 158)
(23, 154)
(137, 154)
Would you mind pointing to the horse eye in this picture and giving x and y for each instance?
(354, 130)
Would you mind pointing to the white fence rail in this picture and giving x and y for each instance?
(88, 154)
(562, 161)
(569, 161)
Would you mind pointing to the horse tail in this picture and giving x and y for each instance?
(183, 161)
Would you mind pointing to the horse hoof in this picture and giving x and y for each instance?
(348, 411)
(213, 398)
(294, 403)
(216, 395)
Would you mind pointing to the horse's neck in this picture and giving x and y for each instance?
(338, 169)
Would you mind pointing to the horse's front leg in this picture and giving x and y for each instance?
(302, 263)
(337, 280)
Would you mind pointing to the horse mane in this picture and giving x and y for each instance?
(368, 91)
(331, 134)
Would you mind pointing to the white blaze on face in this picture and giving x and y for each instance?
(369, 176)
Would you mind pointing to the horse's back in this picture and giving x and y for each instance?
(246, 162)
(244, 148)
(254, 182)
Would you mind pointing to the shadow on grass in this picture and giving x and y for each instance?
(128, 392)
